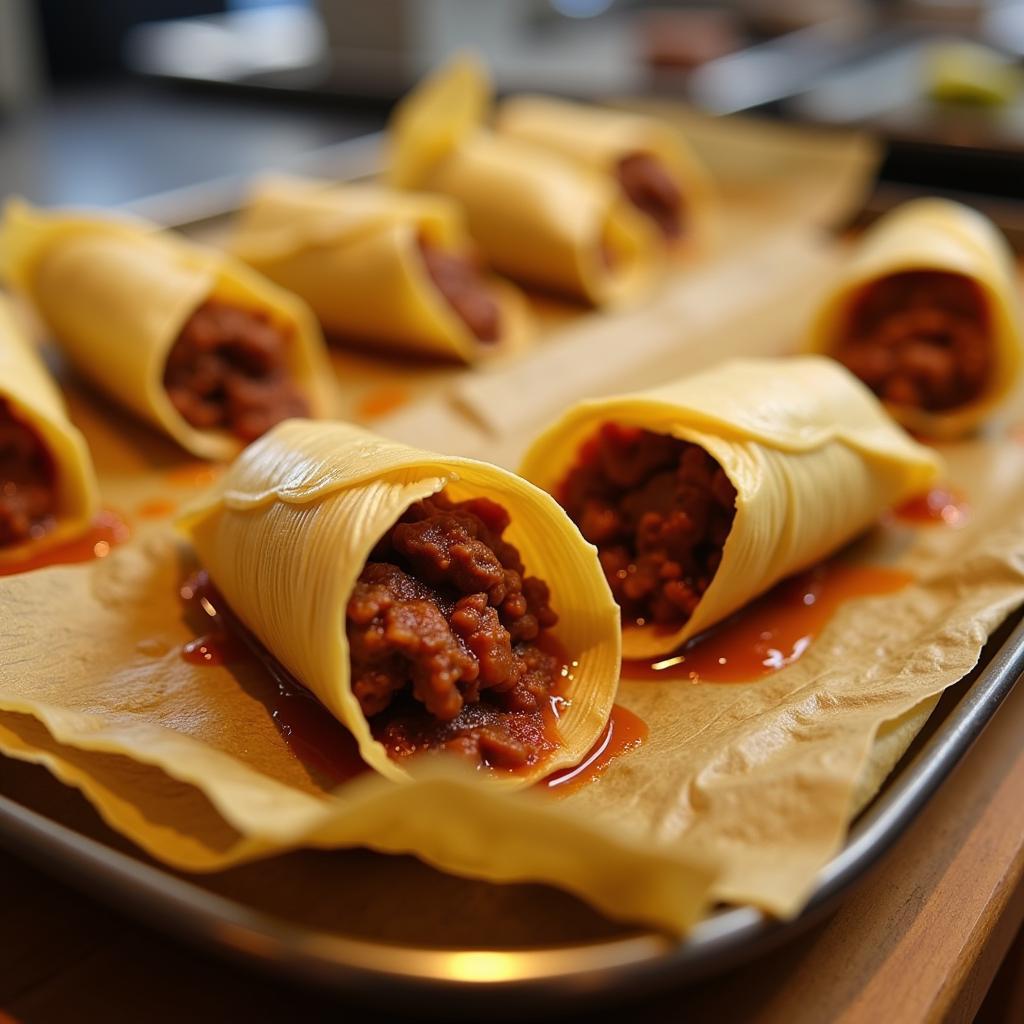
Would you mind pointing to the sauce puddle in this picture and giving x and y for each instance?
(108, 530)
(158, 508)
(311, 732)
(193, 474)
(381, 402)
(623, 733)
(211, 649)
(773, 631)
(940, 506)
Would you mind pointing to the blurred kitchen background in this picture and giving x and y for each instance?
(106, 101)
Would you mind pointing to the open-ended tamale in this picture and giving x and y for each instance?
(189, 339)
(431, 603)
(703, 493)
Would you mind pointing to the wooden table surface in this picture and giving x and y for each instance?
(921, 940)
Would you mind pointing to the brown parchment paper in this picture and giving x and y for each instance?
(740, 793)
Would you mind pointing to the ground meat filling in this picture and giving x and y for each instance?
(228, 370)
(458, 279)
(652, 190)
(920, 338)
(658, 509)
(446, 635)
(28, 498)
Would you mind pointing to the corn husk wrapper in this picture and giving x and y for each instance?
(936, 234)
(29, 391)
(287, 531)
(351, 252)
(598, 138)
(116, 294)
(538, 218)
(813, 457)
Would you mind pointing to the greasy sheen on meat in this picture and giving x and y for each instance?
(658, 510)
(228, 370)
(444, 630)
(458, 279)
(920, 338)
(652, 190)
(28, 496)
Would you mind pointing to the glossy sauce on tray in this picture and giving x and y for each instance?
(773, 631)
(108, 530)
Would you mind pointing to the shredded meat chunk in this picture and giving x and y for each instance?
(658, 509)
(652, 190)
(459, 281)
(443, 629)
(920, 338)
(228, 370)
(28, 498)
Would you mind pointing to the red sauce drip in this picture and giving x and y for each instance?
(315, 735)
(937, 507)
(623, 733)
(193, 474)
(108, 530)
(312, 733)
(775, 630)
(159, 508)
(381, 402)
(212, 649)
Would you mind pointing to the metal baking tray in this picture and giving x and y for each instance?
(473, 975)
(559, 951)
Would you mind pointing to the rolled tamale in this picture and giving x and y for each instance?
(48, 490)
(398, 587)
(703, 493)
(187, 338)
(389, 269)
(538, 218)
(927, 313)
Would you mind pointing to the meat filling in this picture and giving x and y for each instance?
(228, 371)
(920, 338)
(446, 633)
(652, 190)
(459, 281)
(658, 509)
(28, 499)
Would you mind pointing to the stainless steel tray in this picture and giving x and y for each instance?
(304, 915)
(470, 975)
